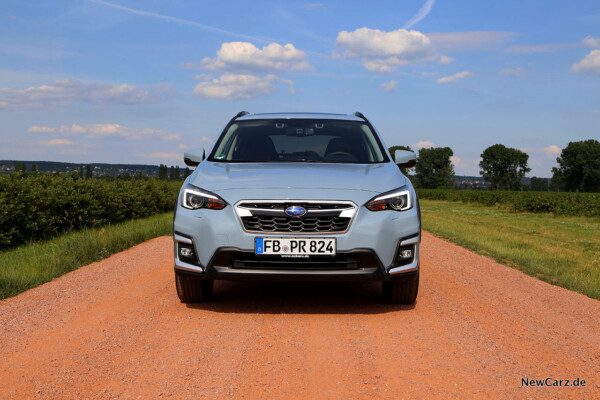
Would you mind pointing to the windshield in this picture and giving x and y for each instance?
(299, 140)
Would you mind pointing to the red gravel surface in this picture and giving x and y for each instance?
(115, 329)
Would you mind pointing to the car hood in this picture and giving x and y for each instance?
(218, 177)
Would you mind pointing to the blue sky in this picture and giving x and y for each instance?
(140, 81)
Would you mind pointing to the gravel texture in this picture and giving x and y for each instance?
(115, 329)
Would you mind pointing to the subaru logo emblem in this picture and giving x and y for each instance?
(295, 211)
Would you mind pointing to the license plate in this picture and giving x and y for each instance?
(295, 247)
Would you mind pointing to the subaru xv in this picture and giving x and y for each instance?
(298, 196)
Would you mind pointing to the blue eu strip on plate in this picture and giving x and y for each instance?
(259, 245)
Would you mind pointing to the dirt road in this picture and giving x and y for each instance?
(115, 329)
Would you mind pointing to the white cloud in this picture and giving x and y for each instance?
(423, 143)
(390, 86)
(202, 77)
(41, 129)
(205, 139)
(96, 131)
(457, 161)
(382, 51)
(589, 65)
(472, 40)
(161, 155)
(183, 146)
(244, 57)
(540, 48)
(57, 142)
(512, 72)
(423, 11)
(232, 86)
(591, 42)
(551, 151)
(292, 88)
(445, 60)
(455, 77)
(62, 92)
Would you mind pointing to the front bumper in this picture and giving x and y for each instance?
(225, 251)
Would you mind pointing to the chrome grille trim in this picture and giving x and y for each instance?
(250, 213)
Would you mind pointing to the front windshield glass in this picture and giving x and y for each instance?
(299, 140)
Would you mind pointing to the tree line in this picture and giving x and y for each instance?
(505, 167)
(173, 173)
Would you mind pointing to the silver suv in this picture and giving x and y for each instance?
(298, 196)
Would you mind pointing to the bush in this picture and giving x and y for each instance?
(572, 204)
(41, 206)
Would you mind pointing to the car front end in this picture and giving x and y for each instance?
(296, 220)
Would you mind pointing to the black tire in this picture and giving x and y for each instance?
(401, 291)
(192, 290)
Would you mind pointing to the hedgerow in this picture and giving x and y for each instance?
(563, 204)
(40, 206)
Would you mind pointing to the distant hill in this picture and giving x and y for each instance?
(98, 169)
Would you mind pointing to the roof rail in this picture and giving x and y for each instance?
(360, 115)
(240, 114)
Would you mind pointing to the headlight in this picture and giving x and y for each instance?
(194, 198)
(397, 200)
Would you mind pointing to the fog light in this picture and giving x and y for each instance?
(406, 254)
(185, 252)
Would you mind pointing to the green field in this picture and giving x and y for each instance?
(564, 251)
(31, 265)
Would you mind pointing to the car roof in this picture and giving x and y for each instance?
(299, 115)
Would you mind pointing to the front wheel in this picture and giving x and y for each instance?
(401, 291)
(192, 290)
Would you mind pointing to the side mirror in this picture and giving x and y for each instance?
(193, 158)
(405, 159)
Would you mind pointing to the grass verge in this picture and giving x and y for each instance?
(564, 251)
(31, 265)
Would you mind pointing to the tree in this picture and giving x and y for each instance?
(88, 171)
(503, 167)
(20, 167)
(434, 168)
(539, 184)
(186, 172)
(172, 173)
(579, 167)
(34, 168)
(162, 172)
(81, 171)
(177, 173)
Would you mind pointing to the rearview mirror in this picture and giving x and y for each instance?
(405, 159)
(193, 158)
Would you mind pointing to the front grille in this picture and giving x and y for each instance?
(322, 216)
(303, 225)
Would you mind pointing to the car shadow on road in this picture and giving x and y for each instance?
(299, 298)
